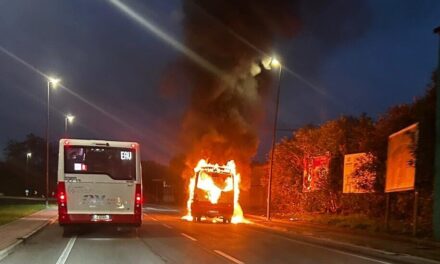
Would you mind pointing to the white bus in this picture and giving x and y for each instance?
(99, 182)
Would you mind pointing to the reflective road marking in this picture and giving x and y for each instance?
(62, 259)
(188, 236)
(228, 257)
(167, 226)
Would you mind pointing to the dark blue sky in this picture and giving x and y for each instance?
(119, 67)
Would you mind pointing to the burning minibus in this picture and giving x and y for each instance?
(214, 193)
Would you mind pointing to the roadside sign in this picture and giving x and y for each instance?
(401, 160)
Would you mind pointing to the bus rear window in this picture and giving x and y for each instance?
(118, 163)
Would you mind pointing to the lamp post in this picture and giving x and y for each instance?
(68, 120)
(436, 189)
(28, 157)
(275, 64)
(51, 82)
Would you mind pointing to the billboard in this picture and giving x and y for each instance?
(315, 172)
(356, 179)
(401, 160)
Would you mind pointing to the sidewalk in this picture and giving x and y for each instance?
(14, 233)
(381, 243)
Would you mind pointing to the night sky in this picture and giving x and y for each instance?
(115, 72)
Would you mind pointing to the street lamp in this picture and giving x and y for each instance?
(51, 83)
(436, 189)
(274, 63)
(68, 120)
(28, 157)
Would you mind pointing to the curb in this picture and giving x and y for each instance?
(10, 249)
(419, 241)
(363, 250)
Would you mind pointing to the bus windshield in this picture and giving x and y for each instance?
(117, 163)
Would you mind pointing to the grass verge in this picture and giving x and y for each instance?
(11, 212)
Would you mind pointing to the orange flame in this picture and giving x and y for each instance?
(213, 192)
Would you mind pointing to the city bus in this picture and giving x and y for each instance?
(99, 182)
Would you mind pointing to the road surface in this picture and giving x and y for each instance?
(164, 238)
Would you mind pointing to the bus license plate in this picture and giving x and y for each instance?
(101, 218)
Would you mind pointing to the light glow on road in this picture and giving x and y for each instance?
(167, 226)
(231, 258)
(188, 236)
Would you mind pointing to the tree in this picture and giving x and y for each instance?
(21, 171)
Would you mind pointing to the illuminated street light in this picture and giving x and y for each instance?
(51, 82)
(274, 63)
(28, 157)
(68, 120)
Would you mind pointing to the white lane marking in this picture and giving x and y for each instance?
(62, 259)
(188, 236)
(167, 226)
(103, 238)
(231, 258)
(146, 215)
(161, 209)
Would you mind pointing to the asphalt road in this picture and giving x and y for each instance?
(164, 238)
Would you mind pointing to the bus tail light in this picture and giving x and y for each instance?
(62, 202)
(138, 195)
(138, 200)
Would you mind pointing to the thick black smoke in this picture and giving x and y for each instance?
(236, 36)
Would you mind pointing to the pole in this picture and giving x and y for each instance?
(274, 137)
(65, 126)
(436, 189)
(387, 211)
(47, 144)
(26, 176)
(415, 212)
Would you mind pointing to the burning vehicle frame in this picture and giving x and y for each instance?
(214, 192)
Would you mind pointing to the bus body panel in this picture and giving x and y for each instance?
(98, 197)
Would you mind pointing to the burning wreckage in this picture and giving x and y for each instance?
(214, 193)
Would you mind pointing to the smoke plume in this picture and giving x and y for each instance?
(225, 109)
